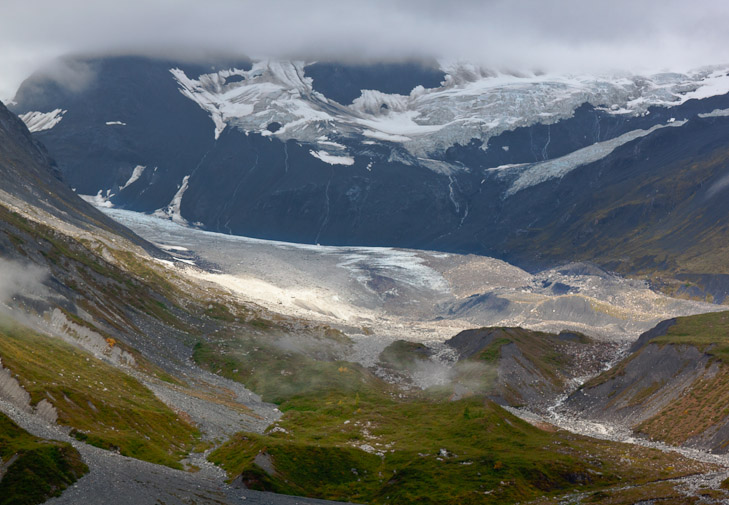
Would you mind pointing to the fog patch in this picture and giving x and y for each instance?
(323, 349)
(568, 35)
(70, 74)
(21, 279)
(718, 186)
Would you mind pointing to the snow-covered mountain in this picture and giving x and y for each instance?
(446, 156)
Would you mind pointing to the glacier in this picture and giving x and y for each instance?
(471, 103)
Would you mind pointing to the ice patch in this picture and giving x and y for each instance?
(99, 199)
(42, 121)
(271, 91)
(388, 137)
(718, 186)
(332, 159)
(715, 113)
(136, 174)
(331, 144)
(172, 211)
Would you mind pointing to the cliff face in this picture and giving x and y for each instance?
(32, 183)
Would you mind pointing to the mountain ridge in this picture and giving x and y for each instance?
(252, 148)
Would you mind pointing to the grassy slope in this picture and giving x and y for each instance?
(104, 406)
(40, 468)
(706, 402)
(703, 404)
(709, 332)
(119, 292)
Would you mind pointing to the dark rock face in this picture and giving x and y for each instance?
(659, 330)
(30, 176)
(344, 83)
(629, 211)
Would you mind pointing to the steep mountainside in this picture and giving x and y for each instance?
(95, 346)
(627, 171)
(672, 387)
(32, 183)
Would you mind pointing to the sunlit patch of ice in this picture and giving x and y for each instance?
(716, 113)
(136, 174)
(172, 211)
(536, 173)
(332, 159)
(99, 199)
(42, 121)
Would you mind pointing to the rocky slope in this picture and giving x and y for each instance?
(672, 387)
(514, 367)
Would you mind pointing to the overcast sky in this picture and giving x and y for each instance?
(551, 35)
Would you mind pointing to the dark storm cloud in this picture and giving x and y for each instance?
(561, 35)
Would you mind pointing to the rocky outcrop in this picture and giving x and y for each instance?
(12, 392)
(86, 338)
(524, 367)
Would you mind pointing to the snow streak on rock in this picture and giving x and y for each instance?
(136, 174)
(172, 211)
(41, 121)
(535, 173)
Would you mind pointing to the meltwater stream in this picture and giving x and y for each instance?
(560, 416)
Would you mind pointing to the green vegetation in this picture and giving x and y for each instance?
(403, 354)
(279, 370)
(492, 352)
(37, 469)
(709, 332)
(346, 435)
(425, 452)
(104, 406)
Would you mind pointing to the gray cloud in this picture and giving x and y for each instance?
(560, 35)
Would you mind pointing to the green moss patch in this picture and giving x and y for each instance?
(37, 469)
